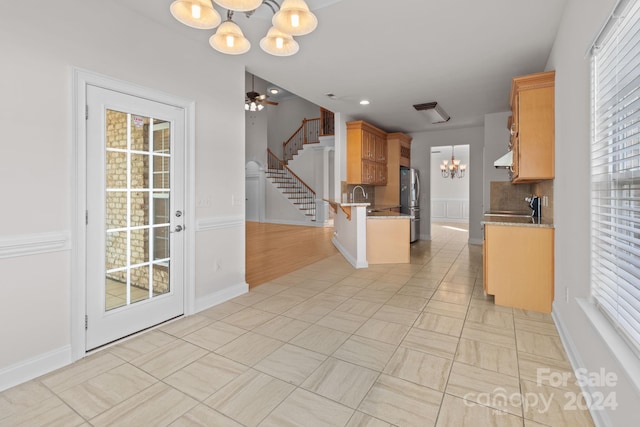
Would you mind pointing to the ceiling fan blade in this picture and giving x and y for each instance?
(270, 102)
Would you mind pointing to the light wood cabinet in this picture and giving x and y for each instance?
(398, 154)
(388, 241)
(532, 127)
(366, 154)
(518, 266)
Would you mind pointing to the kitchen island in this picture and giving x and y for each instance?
(365, 235)
(388, 236)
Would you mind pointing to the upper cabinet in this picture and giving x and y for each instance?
(398, 154)
(532, 127)
(366, 154)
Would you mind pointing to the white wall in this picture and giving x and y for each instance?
(256, 125)
(39, 50)
(581, 22)
(421, 160)
(286, 118)
(496, 144)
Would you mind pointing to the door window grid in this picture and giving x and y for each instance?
(153, 270)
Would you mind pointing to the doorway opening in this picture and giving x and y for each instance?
(450, 194)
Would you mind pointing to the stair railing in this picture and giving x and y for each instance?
(327, 126)
(307, 133)
(307, 197)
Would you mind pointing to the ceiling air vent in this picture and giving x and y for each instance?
(434, 112)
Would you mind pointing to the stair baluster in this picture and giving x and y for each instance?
(295, 189)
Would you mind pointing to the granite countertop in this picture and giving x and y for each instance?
(375, 208)
(346, 204)
(388, 215)
(515, 219)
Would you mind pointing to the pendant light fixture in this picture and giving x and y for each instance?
(453, 169)
(293, 18)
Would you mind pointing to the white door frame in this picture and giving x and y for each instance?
(82, 78)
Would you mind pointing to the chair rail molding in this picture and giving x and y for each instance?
(33, 244)
(218, 223)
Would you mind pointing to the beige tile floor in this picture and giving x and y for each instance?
(406, 345)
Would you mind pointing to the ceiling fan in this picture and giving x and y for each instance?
(254, 100)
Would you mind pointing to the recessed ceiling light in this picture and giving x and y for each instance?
(273, 91)
(365, 102)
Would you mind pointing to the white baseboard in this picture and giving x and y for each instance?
(219, 297)
(600, 419)
(34, 367)
(350, 259)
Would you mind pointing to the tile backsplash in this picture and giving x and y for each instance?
(510, 197)
(359, 197)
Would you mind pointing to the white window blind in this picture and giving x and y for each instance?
(615, 171)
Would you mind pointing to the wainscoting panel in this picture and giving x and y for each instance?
(450, 210)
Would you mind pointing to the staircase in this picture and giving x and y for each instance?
(309, 132)
(284, 179)
(291, 186)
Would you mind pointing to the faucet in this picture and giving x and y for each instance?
(353, 193)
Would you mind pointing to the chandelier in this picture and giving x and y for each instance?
(453, 169)
(293, 18)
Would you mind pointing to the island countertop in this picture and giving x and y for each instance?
(388, 215)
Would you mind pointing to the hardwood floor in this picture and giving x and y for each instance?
(273, 250)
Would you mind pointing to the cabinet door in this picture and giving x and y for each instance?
(381, 149)
(519, 266)
(368, 172)
(536, 134)
(515, 169)
(381, 174)
(368, 146)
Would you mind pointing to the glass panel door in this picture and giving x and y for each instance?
(134, 199)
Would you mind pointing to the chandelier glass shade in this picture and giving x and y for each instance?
(278, 43)
(198, 14)
(293, 18)
(240, 5)
(454, 169)
(229, 39)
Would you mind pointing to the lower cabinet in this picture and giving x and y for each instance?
(388, 241)
(518, 266)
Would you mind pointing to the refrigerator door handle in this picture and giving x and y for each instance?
(417, 188)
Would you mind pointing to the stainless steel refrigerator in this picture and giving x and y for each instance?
(410, 198)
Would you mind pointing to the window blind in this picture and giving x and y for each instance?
(615, 171)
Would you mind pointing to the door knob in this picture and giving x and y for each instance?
(179, 228)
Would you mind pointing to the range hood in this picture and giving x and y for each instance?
(505, 161)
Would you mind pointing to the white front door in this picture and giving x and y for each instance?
(135, 214)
